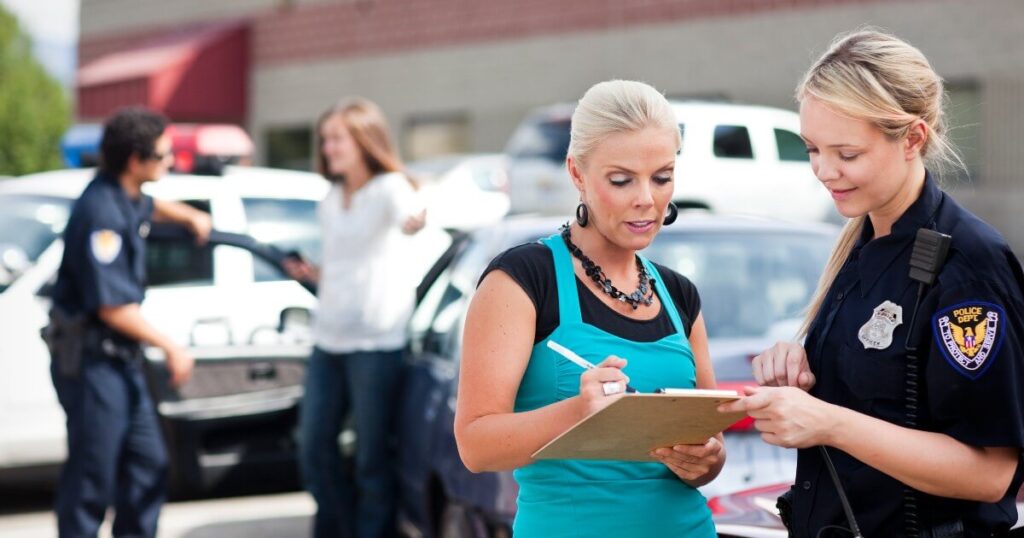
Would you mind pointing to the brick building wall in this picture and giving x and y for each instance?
(488, 63)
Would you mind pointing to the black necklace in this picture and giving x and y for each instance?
(644, 294)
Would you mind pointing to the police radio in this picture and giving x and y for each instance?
(926, 259)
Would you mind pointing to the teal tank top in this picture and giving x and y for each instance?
(582, 498)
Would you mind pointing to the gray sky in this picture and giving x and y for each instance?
(53, 26)
(47, 20)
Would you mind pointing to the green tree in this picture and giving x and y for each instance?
(34, 109)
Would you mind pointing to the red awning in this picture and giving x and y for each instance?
(195, 74)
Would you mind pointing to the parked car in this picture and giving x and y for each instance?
(241, 317)
(752, 513)
(754, 277)
(735, 159)
(463, 191)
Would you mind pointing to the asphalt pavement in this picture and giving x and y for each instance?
(282, 515)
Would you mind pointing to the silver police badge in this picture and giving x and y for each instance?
(877, 332)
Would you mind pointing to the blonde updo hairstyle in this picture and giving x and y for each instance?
(876, 77)
(616, 106)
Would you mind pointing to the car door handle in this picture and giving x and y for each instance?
(262, 371)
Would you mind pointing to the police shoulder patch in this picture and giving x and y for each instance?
(105, 245)
(969, 335)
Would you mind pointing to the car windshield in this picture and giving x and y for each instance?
(28, 224)
(749, 283)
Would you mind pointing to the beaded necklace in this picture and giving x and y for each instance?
(644, 294)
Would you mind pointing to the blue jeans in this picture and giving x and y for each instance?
(360, 501)
(116, 455)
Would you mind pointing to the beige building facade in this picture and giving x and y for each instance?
(459, 76)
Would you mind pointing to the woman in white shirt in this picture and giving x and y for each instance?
(365, 301)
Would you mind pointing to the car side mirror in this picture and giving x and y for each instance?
(296, 323)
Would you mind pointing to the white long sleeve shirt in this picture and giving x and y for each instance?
(366, 291)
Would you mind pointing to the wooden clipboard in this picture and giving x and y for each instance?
(629, 428)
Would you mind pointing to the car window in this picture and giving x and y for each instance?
(180, 263)
(747, 282)
(28, 224)
(733, 142)
(443, 330)
(289, 224)
(791, 146)
(543, 139)
(436, 324)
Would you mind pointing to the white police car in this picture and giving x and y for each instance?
(244, 320)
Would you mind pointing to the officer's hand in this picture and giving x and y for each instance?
(200, 224)
(594, 395)
(300, 270)
(786, 416)
(783, 365)
(179, 364)
(691, 462)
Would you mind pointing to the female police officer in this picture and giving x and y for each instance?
(928, 449)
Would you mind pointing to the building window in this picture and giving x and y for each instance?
(963, 121)
(290, 147)
(733, 142)
(430, 135)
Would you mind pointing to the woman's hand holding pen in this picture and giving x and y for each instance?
(783, 365)
(593, 394)
(787, 416)
(694, 464)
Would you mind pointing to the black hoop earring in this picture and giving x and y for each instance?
(672, 213)
(582, 215)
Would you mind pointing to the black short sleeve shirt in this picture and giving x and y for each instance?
(532, 266)
(967, 333)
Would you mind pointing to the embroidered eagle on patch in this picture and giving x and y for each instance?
(969, 335)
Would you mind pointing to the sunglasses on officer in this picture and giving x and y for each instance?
(159, 156)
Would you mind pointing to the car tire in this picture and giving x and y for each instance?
(457, 522)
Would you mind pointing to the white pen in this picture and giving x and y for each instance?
(609, 387)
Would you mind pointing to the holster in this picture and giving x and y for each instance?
(65, 338)
(785, 506)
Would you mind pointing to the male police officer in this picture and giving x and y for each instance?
(115, 453)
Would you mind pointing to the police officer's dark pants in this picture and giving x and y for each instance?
(115, 453)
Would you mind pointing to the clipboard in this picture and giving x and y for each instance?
(635, 424)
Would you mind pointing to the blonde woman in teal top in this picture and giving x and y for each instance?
(515, 394)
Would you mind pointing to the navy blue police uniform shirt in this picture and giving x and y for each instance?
(968, 333)
(104, 260)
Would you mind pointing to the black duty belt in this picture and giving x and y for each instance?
(100, 339)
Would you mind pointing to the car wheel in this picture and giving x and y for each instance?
(456, 522)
